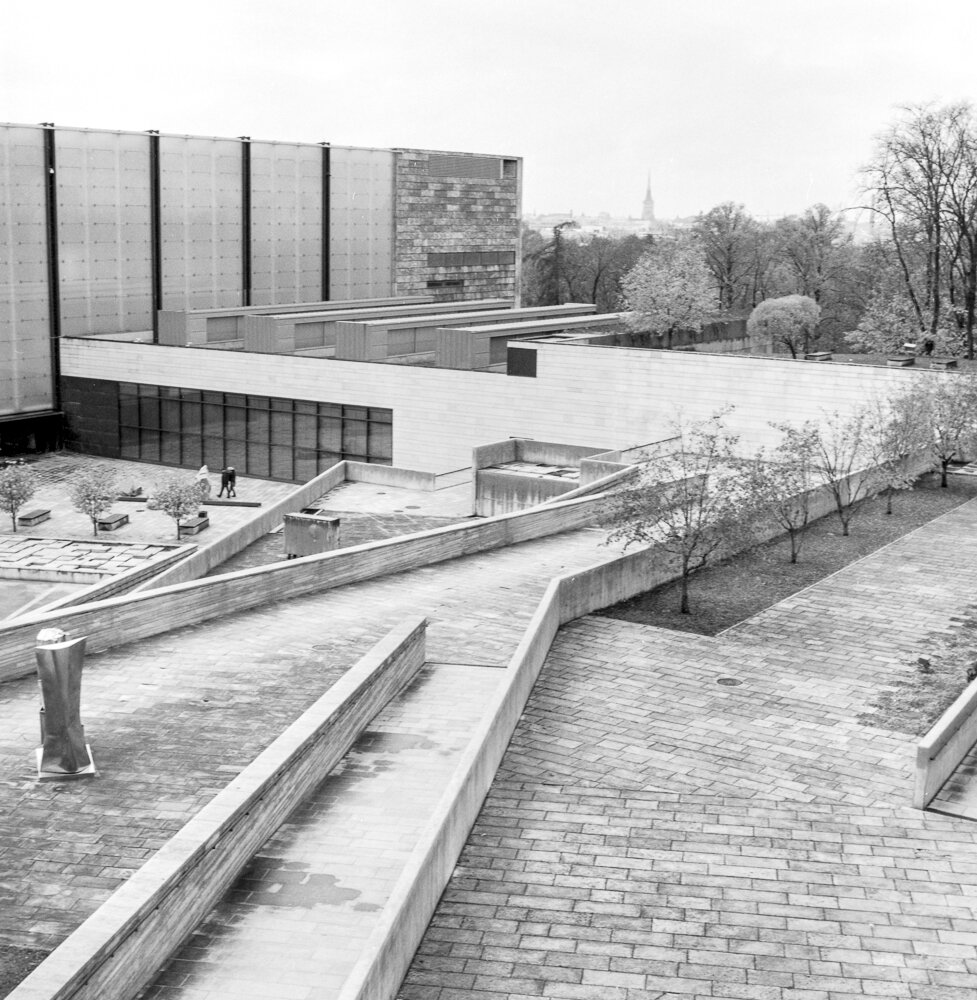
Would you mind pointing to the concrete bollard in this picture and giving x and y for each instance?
(63, 753)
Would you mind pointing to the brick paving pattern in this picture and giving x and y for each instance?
(295, 922)
(172, 719)
(653, 833)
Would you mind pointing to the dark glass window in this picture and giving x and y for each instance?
(259, 435)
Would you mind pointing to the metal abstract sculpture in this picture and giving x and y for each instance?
(63, 752)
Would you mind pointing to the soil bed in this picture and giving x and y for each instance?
(730, 592)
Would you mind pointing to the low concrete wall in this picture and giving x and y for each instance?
(500, 491)
(207, 557)
(942, 749)
(123, 583)
(119, 948)
(136, 616)
(390, 948)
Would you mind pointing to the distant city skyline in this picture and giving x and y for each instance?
(769, 105)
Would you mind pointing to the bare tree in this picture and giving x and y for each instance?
(923, 184)
(689, 503)
(780, 482)
(728, 236)
(898, 431)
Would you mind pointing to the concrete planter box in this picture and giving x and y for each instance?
(900, 361)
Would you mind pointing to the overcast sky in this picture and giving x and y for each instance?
(771, 103)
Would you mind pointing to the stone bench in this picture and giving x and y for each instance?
(943, 364)
(194, 526)
(818, 356)
(112, 521)
(906, 361)
(32, 517)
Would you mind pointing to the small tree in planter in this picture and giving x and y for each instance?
(17, 485)
(843, 461)
(93, 493)
(949, 406)
(780, 482)
(690, 503)
(898, 430)
(179, 498)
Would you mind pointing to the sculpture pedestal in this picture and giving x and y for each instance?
(88, 771)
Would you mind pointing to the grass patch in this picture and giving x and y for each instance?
(732, 591)
(16, 964)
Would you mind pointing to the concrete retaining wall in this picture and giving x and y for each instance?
(118, 949)
(129, 618)
(941, 750)
(123, 583)
(206, 557)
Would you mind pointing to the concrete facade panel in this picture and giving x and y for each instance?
(103, 231)
(201, 196)
(286, 223)
(25, 360)
(361, 222)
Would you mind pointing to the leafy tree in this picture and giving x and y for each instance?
(18, 484)
(179, 497)
(780, 482)
(791, 320)
(947, 406)
(93, 493)
(689, 503)
(669, 289)
(817, 257)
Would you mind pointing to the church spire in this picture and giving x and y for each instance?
(648, 208)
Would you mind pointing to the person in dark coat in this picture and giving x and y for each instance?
(228, 482)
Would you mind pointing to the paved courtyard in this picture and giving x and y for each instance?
(676, 816)
(658, 832)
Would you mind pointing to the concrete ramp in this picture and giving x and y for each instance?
(304, 918)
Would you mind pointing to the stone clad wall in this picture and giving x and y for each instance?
(435, 213)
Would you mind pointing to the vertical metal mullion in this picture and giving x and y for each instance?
(246, 273)
(53, 260)
(155, 230)
(326, 194)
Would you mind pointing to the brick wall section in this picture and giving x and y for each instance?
(449, 214)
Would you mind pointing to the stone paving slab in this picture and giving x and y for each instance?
(97, 559)
(295, 923)
(654, 834)
(56, 471)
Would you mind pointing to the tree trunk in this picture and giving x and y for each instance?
(684, 606)
(888, 500)
(793, 546)
(13, 520)
(944, 464)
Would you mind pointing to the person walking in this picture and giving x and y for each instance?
(228, 482)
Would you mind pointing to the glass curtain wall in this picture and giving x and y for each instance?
(287, 439)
